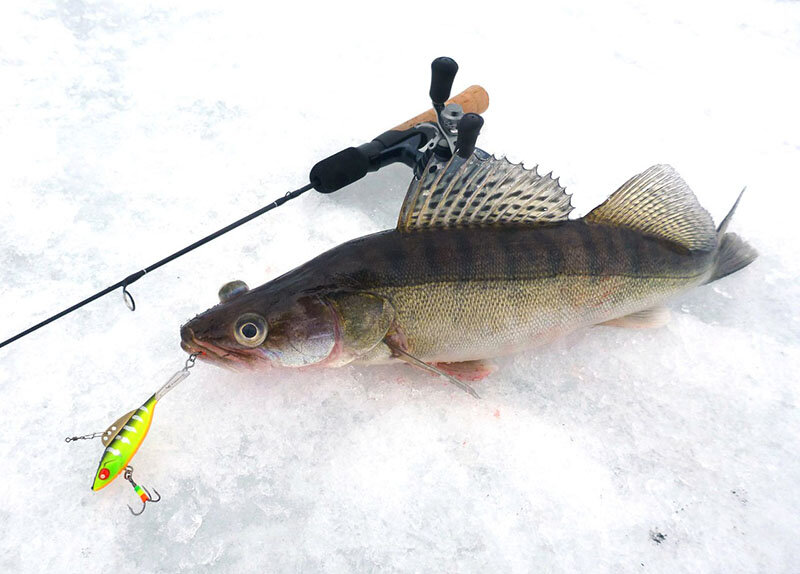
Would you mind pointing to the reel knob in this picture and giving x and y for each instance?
(469, 127)
(443, 72)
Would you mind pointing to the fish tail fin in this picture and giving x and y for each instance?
(733, 252)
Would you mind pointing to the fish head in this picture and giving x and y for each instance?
(260, 328)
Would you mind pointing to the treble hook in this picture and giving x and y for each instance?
(143, 493)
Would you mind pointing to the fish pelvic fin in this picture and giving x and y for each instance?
(412, 360)
(659, 203)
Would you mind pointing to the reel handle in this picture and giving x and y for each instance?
(443, 72)
(474, 99)
(469, 127)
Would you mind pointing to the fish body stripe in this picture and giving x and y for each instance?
(632, 246)
(590, 249)
(432, 253)
(465, 255)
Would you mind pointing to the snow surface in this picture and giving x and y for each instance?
(129, 129)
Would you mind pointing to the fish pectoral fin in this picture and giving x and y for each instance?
(411, 360)
(644, 319)
(468, 370)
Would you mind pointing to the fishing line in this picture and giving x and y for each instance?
(124, 283)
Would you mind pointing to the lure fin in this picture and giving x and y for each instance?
(644, 319)
(468, 370)
(113, 430)
(411, 360)
(479, 191)
(658, 203)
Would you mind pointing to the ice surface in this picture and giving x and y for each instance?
(128, 129)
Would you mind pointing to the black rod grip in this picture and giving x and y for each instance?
(469, 126)
(340, 169)
(443, 72)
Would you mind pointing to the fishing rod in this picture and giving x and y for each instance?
(451, 126)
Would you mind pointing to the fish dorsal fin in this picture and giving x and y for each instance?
(479, 191)
(658, 203)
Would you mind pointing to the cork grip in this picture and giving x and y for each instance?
(474, 100)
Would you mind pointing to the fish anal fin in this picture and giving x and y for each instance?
(658, 203)
(468, 370)
(399, 353)
(644, 319)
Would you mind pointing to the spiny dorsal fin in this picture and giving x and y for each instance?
(657, 202)
(481, 191)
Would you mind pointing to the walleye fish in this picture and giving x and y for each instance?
(484, 262)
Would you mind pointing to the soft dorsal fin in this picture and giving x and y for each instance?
(479, 191)
(657, 202)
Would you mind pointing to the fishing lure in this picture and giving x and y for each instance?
(124, 436)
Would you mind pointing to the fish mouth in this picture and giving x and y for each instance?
(212, 353)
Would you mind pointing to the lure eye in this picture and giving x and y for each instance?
(103, 474)
(251, 330)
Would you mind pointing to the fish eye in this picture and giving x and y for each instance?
(250, 330)
(103, 474)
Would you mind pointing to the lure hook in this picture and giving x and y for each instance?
(143, 493)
